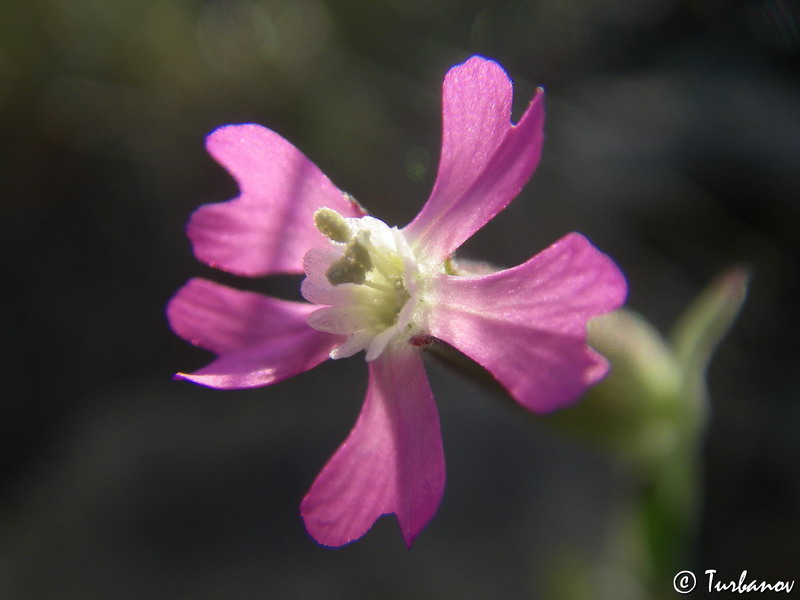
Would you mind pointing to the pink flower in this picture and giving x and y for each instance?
(388, 291)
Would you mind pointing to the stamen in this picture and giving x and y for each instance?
(352, 267)
(345, 270)
(356, 252)
(332, 225)
(372, 255)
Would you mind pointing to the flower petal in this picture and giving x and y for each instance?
(354, 343)
(340, 319)
(259, 340)
(485, 159)
(392, 461)
(270, 225)
(527, 325)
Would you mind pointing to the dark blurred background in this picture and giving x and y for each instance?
(673, 142)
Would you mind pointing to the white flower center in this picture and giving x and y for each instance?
(370, 280)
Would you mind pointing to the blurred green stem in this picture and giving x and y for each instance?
(651, 414)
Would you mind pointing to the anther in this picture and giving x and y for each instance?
(332, 225)
(345, 271)
(352, 267)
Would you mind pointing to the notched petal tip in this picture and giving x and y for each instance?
(258, 340)
(222, 142)
(269, 226)
(485, 159)
(479, 66)
(392, 461)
